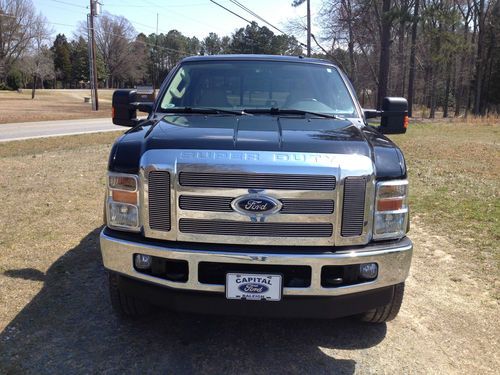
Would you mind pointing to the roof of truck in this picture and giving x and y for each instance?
(249, 57)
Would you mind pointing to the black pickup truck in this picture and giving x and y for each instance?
(256, 186)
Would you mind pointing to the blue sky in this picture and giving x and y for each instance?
(191, 17)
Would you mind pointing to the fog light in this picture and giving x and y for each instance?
(142, 261)
(368, 270)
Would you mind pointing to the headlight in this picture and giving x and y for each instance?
(122, 208)
(391, 210)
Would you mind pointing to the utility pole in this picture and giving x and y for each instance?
(90, 59)
(155, 59)
(297, 3)
(93, 12)
(308, 28)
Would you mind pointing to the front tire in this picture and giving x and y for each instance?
(124, 304)
(387, 312)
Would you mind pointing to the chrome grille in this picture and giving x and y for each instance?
(257, 181)
(353, 212)
(223, 204)
(159, 200)
(201, 203)
(307, 206)
(241, 228)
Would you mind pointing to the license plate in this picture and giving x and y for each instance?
(254, 287)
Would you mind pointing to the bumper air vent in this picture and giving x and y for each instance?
(159, 200)
(353, 212)
(239, 228)
(257, 181)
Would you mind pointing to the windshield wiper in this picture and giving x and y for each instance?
(203, 110)
(284, 111)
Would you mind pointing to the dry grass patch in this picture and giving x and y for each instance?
(51, 105)
(55, 314)
(454, 171)
(52, 192)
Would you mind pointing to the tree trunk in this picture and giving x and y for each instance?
(432, 113)
(385, 53)
(350, 44)
(411, 79)
(479, 60)
(447, 94)
(459, 85)
(448, 81)
(400, 77)
(34, 87)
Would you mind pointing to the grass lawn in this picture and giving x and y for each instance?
(55, 314)
(51, 105)
(454, 172)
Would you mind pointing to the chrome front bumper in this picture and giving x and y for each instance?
(393, 260)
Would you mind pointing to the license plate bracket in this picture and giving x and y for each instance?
(254, 286)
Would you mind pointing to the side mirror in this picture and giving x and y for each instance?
(394, 116)
(371, 113)
(125, 106)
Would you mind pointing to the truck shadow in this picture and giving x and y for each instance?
(69, 327)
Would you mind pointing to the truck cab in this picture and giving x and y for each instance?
(255, 186)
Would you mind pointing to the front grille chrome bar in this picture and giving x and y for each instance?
(223, 204)
(257, 181)
(241, 228)
(203, 184)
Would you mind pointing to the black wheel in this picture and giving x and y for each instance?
(123, 304)
(387, 312)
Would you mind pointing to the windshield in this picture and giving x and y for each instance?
(241, 85)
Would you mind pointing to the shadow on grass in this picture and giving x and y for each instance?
(26, 274)
(69, 327)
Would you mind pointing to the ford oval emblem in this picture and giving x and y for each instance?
(256, 205)
(255, 288)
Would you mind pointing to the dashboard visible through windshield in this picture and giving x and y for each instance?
(247, 85)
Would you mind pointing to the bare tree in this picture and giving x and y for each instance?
(384, 59)
(39, 67)
(39, 63)
(17, 21)
(413, 51)
(113, 37)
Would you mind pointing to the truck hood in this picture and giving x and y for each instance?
(255, 133)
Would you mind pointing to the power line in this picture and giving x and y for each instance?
(70, 4)
(246, 9)
(230, 11)
(156, 6)
(149, 6)
(118, 36)
(251, 12)
(328, 53)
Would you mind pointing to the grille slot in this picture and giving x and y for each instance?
(307, 206)
(201, 203)
(159, 200)
(240, 228)
(353, 213)
(223, 204)
(257, 181)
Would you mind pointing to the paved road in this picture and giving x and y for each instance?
(40, 129)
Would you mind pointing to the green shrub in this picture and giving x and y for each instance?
(3, 86)
(14, 79)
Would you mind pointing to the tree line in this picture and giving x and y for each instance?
(440, 54)
(443, 55)
(124, 57)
